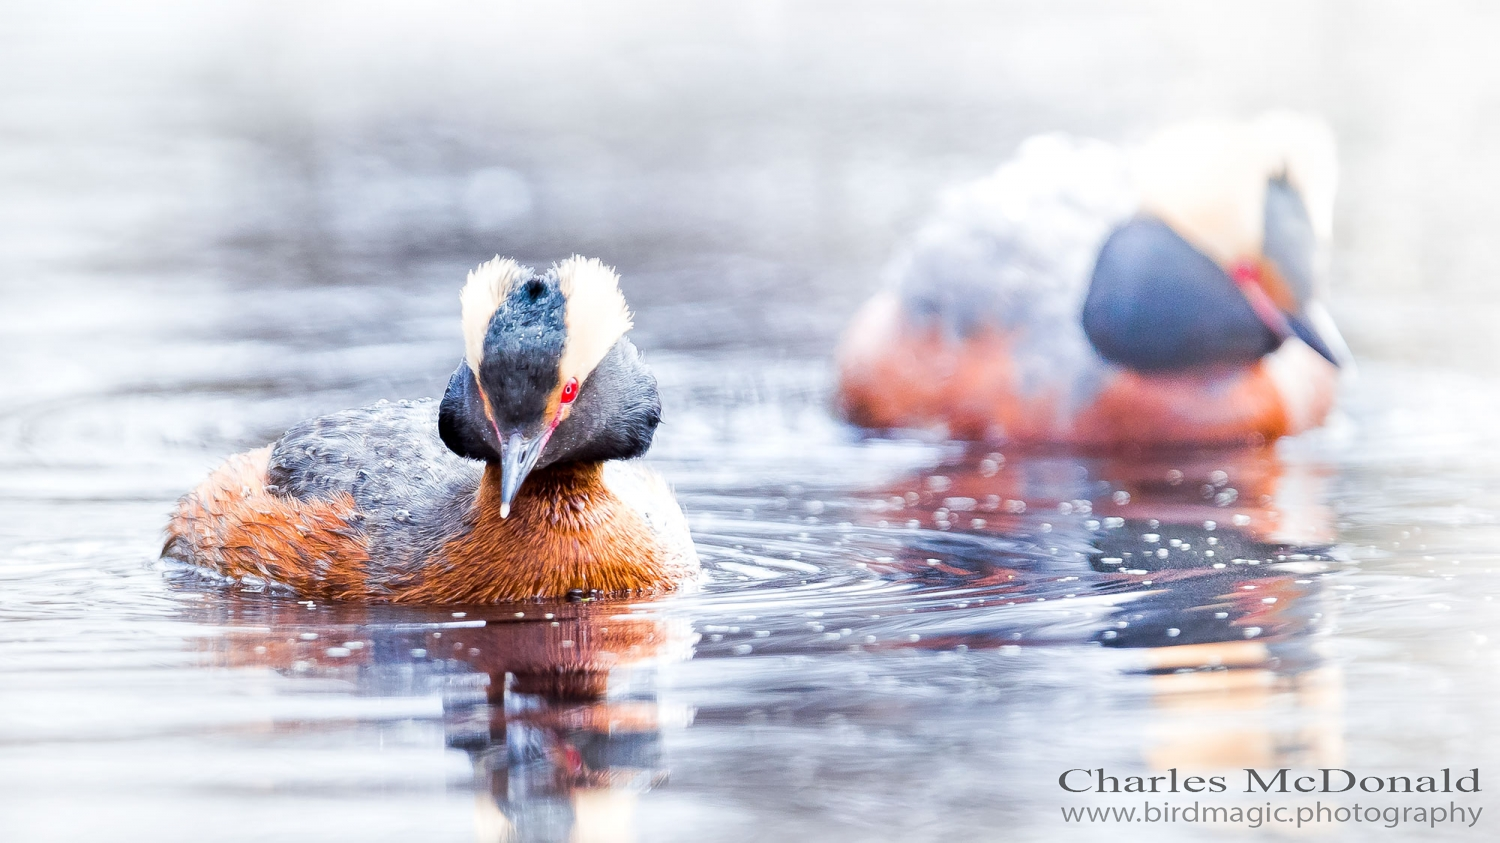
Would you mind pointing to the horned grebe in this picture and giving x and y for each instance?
(515, 486)
(1094, 296)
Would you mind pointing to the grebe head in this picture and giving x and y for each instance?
(1222, 263)
(548, 375)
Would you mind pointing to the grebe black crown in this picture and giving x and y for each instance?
(548, 375)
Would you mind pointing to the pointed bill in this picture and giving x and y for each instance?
(518, 456)
(1313, 326)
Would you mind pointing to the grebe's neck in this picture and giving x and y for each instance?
(567, 531)
(567, 496)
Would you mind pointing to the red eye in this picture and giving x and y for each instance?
(570, 391)
(1245, 272)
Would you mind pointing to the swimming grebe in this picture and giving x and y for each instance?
(1093, 296)
(514, 487)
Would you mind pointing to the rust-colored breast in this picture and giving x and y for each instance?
(895, 375)
(567, 531)
(1210, 407)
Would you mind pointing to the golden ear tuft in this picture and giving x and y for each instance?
(596, 315)
(1208, 179)
(1305, 150)
(488, 285)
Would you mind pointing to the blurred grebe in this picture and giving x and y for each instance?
(1089, 295)
(513, 487)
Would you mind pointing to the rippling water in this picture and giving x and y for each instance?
(219, 224)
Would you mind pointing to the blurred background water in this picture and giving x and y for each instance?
(219, 219)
